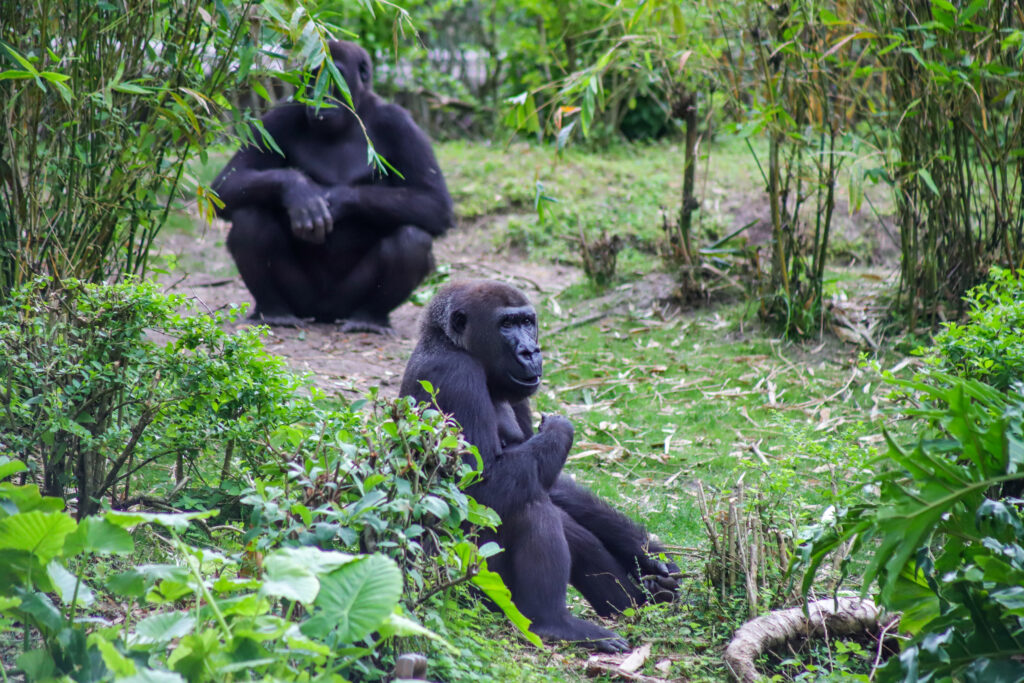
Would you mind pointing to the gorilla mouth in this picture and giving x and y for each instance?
(530, 382)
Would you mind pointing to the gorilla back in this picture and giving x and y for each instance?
(317, 232)
(478, 348)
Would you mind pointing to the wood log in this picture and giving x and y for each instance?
(846, 617)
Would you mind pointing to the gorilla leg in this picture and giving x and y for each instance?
(383, 276)
(536, 571)
(388, 275)
(602, 579)
(263, 252)
(627, 541)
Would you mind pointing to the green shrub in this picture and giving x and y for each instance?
(389, 480)
(105, 389)
(109, 385)
(205, 619)
(939, 548)
(988, 347)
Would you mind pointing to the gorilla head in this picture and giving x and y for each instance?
(496, 325)
(353, 62)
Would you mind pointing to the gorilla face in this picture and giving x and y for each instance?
(496, 325)
(353, 62)
(504, 340)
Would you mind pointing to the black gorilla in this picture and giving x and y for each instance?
(317, 232)
(478, 348)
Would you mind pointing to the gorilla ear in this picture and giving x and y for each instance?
(457, 322)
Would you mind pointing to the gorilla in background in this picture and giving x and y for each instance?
(478, 348)
(316, 231)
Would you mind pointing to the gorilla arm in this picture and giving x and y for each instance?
(257, 175)
(415, 195)
(513, 475)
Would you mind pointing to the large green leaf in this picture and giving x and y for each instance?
(97, 535)
(404, 627)
(162, 628)
(41, 610)
(38, 665)
(287, 577)
(40, 533)
(118, 664)
(66, 585)
(495, 589)
(178, 521)
(318, 561)
(152, 676)
(9, 468)
(15, 499)
(356, 599)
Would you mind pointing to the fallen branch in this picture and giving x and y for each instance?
(823, 618)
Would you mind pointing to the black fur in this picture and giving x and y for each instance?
(478, 348)
(320, 233)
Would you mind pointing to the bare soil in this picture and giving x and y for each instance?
(350, 363)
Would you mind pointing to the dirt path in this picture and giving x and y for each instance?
(350, 363)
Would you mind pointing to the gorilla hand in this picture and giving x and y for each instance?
(308, 213)
(557, 433)
(657, 579)
(558, 427)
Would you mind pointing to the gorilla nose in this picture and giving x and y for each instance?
(529, 354)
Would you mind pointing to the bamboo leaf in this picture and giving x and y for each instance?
(927, 178)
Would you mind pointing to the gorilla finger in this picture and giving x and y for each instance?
(318, 235)
(322, 220)
(613, 645)
(300, 221)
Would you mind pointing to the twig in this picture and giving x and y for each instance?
(468, 576)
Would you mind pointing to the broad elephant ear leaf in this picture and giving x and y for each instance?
(355, 599)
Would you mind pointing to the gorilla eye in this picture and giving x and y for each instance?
(364, 72)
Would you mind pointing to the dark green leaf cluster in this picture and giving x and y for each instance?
(352, 510)
(390, 481)
(206, 619)
(944, 539)
(989, 346)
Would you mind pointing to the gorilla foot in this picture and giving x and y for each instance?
(590, 636)
(372, 325)
(661, 588)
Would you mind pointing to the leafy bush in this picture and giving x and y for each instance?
(939, 548)
(389, 481)
(989, 347)
(102, 383)
(100, 122)
(205, 619)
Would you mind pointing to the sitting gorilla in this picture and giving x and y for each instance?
(316, 231)
(478, 348)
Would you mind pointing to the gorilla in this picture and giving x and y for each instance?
(478, 348)
(316, 230)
